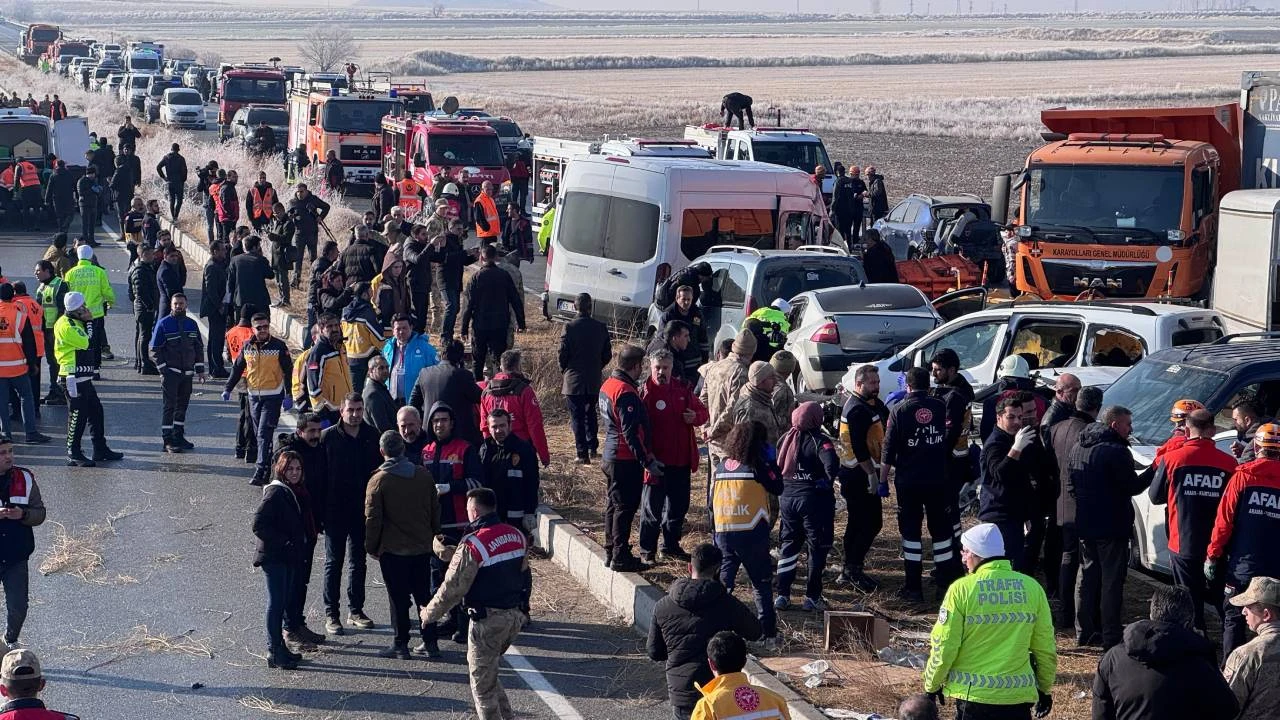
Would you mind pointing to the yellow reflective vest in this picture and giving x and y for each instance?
(993, 641)
(732, 696)
(92, 282)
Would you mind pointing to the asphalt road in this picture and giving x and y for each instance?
(157, 611)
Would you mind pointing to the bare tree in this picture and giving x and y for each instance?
(209, 58)
(327, 47)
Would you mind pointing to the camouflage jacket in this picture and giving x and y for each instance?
(1253, 672)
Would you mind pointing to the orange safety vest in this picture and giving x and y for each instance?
(409, 199)
(28, 175)
(13, 361)
(491, 215)
(33, 309)
(262, 202)
(6, 178)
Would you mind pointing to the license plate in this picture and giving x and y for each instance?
(566, 306)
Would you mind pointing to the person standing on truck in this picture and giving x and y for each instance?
(172, 169)
(335, 176)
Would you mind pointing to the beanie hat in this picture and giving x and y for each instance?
(983, 540)
(84, 252)
(784, 362)
(759, 372)
(73, 301)
(6, 292)
(744, 344)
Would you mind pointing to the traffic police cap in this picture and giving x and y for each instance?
(983, 540)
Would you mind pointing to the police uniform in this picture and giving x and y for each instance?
(862, 423)
(489, 574)
(77, 366)
(1189, 481)
(1246, 532)
(992, 648)
(916, 447)
(178, 352)
(50, 295)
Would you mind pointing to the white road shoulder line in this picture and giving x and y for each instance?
(551, 697)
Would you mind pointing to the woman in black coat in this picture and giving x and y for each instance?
(282, 524)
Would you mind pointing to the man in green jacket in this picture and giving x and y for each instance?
(75, 363)
(91, 281)
(992, 649)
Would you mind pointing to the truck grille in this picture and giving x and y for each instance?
(361, 153)
(1118, 280)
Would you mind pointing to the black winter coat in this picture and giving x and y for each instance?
(1103, 482)
(880, 264)
(455, 387)
(452, 258)
(1161, 671)
(172, 168)
(143, 288)
(213, 287)
(351, 462)
(315, 470)
(489, 294)
(1064, 437)
(60, 192)
(379, 407)
(169, 281)
(417, 263)
(361, 261)
(247, 281)
(88, 191)
(280, 527)
(1006, 486)
(383, 200)
(584, 352)
(307, 215)
(683, 623)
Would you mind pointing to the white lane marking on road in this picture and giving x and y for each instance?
(560, 706)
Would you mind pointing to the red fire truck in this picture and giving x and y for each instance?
(241, 86)
(419, 147)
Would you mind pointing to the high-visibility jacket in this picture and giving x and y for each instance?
(300, 397)
(265, 366)
(13, 318)
(544, 230)
(28, 175)
(361, 331)
(490, 209)
(328, 377)
(991, 626)
(50, 296)
(92, 282)
(6, 178)
(410, 196)
(215, 194)
(261, 202)
(236, 337)
(739, 501)
(71, 347)
(732, 696)
(35, 315)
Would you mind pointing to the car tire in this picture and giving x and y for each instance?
(1135, 550)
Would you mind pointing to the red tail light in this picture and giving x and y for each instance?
(828, 334)
(750, 307)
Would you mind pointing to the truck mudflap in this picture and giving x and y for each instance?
(1260, 101)
(1218, 125)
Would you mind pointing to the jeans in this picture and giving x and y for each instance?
(264, 413)
(280, 587)
(519, 193)
(488, 343)
(99, 340)
(294, 617)
(22, 384)
(664, 508)
(626, 480)
(210, 221)
(865, 518)
(452, 296)
(420, 300)
(15, 580)
(226, 230)
(750, 550)
(807, 519)
(584, 418)
(339, 539)
(123, 201)
(406, 577)
(1104, 564)
(176, 192)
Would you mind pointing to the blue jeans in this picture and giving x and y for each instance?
(452, 296)
(750, 550)
(280, 586)
(21, 384)
(264, 413)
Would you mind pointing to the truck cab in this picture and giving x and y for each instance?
(421, 146)
(240, 86)
(791, 147)
(349, 123)
(36, 40)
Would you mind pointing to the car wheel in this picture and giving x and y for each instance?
(1135, 550)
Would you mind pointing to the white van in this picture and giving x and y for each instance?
(1246, 281)
(624, 224)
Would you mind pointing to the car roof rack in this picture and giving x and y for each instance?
(1259, 335)
(734, 249)
(1135, 309)
(824, 250)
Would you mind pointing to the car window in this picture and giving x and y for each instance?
(1113, 347)
(703, 228)
(1265, 395)
(973, 343)
(1046, 342)
(1196, 336)
(913, 212)
(899, 212)
(787, 279)
(1150, 388)
(728, 287)
(630, 227)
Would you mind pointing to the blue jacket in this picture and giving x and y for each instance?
(418, 355)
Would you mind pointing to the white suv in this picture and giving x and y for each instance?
(1053, 336)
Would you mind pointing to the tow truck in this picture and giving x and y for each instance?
(793, 147)
(346, 121)
(420, 146)
(244, 85)
(36, 40)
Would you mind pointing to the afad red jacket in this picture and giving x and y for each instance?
(1247, 530)
(674, 442)
(514, 394)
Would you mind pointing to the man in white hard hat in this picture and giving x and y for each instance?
(992, 649)
(1014, 374)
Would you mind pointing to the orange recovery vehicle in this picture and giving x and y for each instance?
(1123, 202)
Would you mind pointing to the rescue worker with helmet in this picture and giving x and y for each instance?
(488, 221)
(260, 203)
(1189, 482)
(915, 448)
(1182, 409)
(992, 649)
(489, 573)
(1246, 531)
(78, 365)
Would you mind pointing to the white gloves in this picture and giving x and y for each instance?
(72, 390)
(442, 488)
(1024, 438)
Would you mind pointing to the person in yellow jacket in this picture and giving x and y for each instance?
(326, 376)
(544, 230)
(91, 281)
(76, 366)
(730, 693)
(992, 649)
(362, 334)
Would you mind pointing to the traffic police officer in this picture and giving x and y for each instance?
(1246, 532)
(178, 352)
(489, 573)
(992, 648)
(915, 447)
(91, 281)
(862, 423)
(77, 366)
(51, 294)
